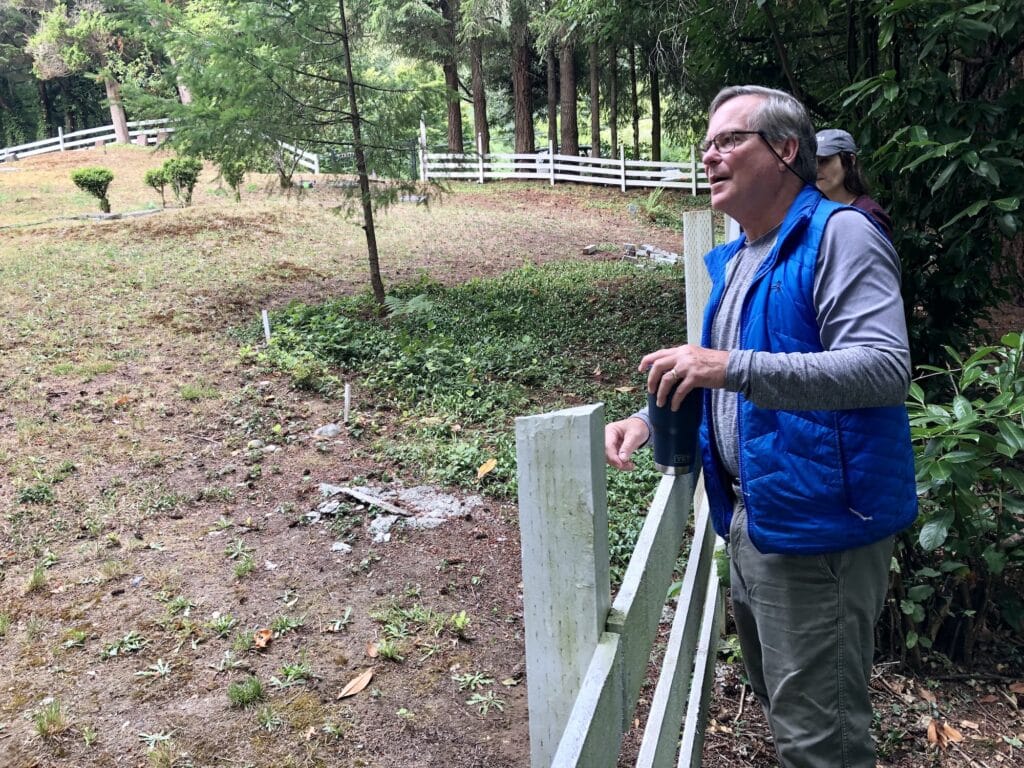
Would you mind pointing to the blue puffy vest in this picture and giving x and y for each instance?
(812, 481)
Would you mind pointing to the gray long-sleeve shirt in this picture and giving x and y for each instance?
(866, 362)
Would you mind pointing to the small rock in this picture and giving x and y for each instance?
(328, 507)
(255, 445)
(590, 250)
(380, 528)
(269, 566)
(269, 449)
(327, 431)
(341, 546)
(326, 489)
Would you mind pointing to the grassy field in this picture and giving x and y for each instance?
(155, 486)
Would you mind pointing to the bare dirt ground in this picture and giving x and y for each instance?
(178, 540)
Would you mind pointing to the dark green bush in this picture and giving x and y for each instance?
(182, 174)
(962, 564)
(157, 179)
(95, 181)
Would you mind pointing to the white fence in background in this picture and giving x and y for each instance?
(140, 132)
(553, 168)
(586, 655)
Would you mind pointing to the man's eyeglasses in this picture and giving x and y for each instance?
(726, 141)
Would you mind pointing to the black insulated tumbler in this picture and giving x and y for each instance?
(675, 432)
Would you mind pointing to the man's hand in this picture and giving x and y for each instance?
(621, 438)
(689, 365)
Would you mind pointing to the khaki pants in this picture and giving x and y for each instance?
(806, 628)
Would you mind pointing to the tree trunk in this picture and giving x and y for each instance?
(613, 98)
(567, 78)
(595, 104)
(521, 94)
(117, 116)
(70, 124)
(450, 67)
(44, 102)
(476, 53)
(634, 102)
(552, 72)
(655, 111)
(364, 180)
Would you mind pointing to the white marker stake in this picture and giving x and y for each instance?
(348, 400)
(266, 325)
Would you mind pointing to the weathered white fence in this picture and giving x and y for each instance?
(548, 166)
(587, 655)
(140, 132)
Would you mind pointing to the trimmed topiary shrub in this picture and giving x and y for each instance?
(182, 174)
(157, 179)
(233, 173)
(95, 181)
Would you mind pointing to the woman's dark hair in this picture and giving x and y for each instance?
(853, 176)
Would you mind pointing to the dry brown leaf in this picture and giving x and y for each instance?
(261, 638)
(371, 650)
(122, 401)
(970, 724)
(989, 699)
(310, 733)
(1017, 687)
(624, 389)
(597, 371)
(927, 695)
(508, 682)
(486, 467)
(357, 684)
(951, 733)
(933, 734)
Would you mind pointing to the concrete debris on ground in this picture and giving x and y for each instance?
(422, 507)
(649, 253)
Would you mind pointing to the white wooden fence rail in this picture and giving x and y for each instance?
(548, 166)
(141, 132)
(587, 655)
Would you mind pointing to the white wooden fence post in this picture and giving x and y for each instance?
(622, 165)
(480, 154)
(551, 158)
(693, 170)
(732, 229)
(423, 151)
(60, 137)
(563, 523)
(698, 239)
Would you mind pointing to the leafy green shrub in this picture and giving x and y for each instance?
(182, 174)
(157, 179)
(95, 181)
(233, 173)
(960, 568)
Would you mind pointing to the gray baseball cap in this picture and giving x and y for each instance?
(833, 141)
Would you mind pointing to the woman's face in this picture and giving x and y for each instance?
(830, 177)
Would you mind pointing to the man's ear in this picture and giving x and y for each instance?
(789, 149)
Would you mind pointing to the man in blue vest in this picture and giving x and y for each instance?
(805, 441)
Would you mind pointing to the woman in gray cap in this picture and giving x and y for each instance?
(841, 179)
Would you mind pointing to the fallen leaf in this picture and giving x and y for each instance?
(935, 735)
(597, 371)
(927, 695)
(371, 650)
(952, 733)
(261, 638)
(508, 682)
(970, 724)
(486, 467)
(1017, 688)
(122, 401)
(357, 684)
(310, 733)
(989, 699)
(624, 389)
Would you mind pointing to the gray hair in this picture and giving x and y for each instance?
(779, 116)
